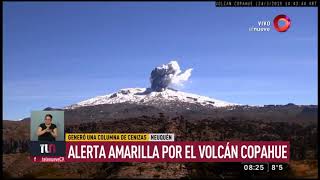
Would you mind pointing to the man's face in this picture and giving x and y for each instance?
(47, 120)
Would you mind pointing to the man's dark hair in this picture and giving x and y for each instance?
(48, 115)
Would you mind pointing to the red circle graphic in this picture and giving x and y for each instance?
(285, 19)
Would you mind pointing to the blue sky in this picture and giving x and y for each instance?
(57, 54)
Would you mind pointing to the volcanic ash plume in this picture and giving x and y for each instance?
(168, 75)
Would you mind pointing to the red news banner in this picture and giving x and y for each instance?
(163, 148)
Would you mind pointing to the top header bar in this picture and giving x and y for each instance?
(266, 3)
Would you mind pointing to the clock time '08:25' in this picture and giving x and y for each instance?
(255, 167)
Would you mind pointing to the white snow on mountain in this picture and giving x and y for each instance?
(147, 97)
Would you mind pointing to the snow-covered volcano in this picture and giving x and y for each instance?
(145, 96)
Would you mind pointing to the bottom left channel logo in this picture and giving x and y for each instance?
(47, 151)
(47, 148)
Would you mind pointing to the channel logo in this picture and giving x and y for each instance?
(281, 19)
(47, 148)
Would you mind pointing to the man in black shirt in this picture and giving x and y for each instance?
(47, 131)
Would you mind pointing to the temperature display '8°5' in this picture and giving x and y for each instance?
(277, 167)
